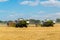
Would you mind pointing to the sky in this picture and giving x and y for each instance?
(29, 9)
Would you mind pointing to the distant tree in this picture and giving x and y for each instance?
(5, 21)
(37, 21)
(1, 21)
(34, 21)
(10, 21)
(58, 20)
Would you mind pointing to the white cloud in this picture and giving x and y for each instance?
(30, 3)
(51, 3)
(58, 13)
(53, 15)
(16, 15)
(41, 12)
(43, 16)
(3, 0)
(12, 16)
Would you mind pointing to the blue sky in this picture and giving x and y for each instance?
(29, 9)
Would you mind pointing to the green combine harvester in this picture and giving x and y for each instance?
(47, 23)
(18, 23)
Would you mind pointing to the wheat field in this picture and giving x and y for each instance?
(30, 33)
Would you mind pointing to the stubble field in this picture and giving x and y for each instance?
(30, 33)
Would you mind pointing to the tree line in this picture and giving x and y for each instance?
(32, 21)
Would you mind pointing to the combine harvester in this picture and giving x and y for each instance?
(47, 23)
(18, 23)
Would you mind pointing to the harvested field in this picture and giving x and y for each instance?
(30, 33)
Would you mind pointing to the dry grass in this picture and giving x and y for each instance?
(30, 33)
